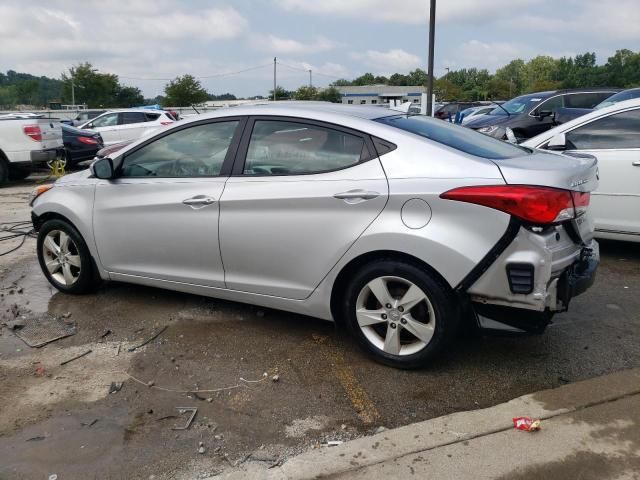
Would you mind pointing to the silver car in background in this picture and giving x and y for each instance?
(400, 226)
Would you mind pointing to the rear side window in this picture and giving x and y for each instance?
(151, 117)
(291, 148)
(455, 136)
(621, 130)
(585, 100)
(127, 118)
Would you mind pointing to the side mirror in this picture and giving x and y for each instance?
(102, 168)
(558, 143)
(544, 114)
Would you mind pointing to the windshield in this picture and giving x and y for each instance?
(455, 136)
(518, 105)
(619, 97)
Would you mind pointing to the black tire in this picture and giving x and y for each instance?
(440, 295)
(87, 280)
(19, 173)
(4, 170)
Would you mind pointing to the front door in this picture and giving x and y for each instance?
(107, 126)
(159, 218)
(615, 141)
(303, 196)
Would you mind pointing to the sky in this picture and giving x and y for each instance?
(147, 42)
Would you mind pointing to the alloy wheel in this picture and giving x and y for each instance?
(61, 257)
(395, 315)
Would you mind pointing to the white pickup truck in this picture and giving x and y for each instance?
(27, 140)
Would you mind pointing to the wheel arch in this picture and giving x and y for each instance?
(338, 287)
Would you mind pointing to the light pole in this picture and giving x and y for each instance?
(432, 35)
(275, 62)
(310, 78)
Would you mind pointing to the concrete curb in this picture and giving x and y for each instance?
(448, 430)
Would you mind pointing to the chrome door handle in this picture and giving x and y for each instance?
(357, 195)
(199, 201)
(636, 163)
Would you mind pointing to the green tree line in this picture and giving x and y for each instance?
(621, 70)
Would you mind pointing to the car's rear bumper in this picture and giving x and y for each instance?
(44, 156)
(534, 276)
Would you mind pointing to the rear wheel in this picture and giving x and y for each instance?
(400, 313)
(4, 170)
(19, 173)
(64, 257)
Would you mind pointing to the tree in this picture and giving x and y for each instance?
(91, 87)
(128, 97)
(366, 79)
(184, 91)
(514, 74)
(224, 96)
(541, 74)
(330, 94)
(281, 94)
(305, 93)
(342, 82)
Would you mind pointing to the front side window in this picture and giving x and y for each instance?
(455, 136)
(551, 105)
(621, 130)
(197, 151)
(108, 120)
(291, 148)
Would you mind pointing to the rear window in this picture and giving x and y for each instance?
(151, 117)
(455, 136)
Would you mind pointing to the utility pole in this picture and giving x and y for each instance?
(275, 61)
(310, 78)
(432, 35)
(73, 93)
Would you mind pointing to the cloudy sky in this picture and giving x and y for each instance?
(146, 42)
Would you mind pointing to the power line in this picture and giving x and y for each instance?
(214, 75)
(315, 72)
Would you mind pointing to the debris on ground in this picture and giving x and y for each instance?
(84, 354)
(41, 371)
(115, 387)
(182, 411)
(334, 443)
(150, 339)
(275, 378)
(91, 423)
(201, 448)
(526, 424)
(36, 439)
(39, 330)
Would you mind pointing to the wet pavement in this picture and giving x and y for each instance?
(62, 420)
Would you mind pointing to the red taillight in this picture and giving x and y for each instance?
(539, 205)
(581, 202)
(88, 140)
(33, 131)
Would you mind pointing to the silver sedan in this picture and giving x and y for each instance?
(402, 227)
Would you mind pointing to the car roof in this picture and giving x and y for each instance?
(134, 110)
(301, 109)
(624, 105)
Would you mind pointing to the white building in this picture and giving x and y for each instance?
(381, 94)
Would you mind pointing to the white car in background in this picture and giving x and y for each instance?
(612, 135)
(472, 113)
(118, 126)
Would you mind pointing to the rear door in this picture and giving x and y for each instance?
(615, 141)
(302, 192)
(131, 125)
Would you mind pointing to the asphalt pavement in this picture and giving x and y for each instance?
(327, 389)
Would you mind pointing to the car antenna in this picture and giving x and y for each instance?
(496, 103)
(194, 107)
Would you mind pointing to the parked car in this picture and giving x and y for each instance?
(565, 115)
(27, 140)
(612, 134)
(449, 110)
(123, 125)
(529, 115)
(472, 113)
(393, 223)
(83, 117)
(80, 144)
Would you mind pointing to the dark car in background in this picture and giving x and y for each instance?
(449, 110)
(565, 115)
(529, 115)
(80, 144)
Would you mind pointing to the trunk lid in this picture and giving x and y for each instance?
(51, 132)
(575, 171)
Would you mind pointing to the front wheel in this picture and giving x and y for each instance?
(400, 313)
(65, 258)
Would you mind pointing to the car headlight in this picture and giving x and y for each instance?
(39, 190)
(488, 130)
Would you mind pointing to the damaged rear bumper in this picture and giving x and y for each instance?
(536, 275)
